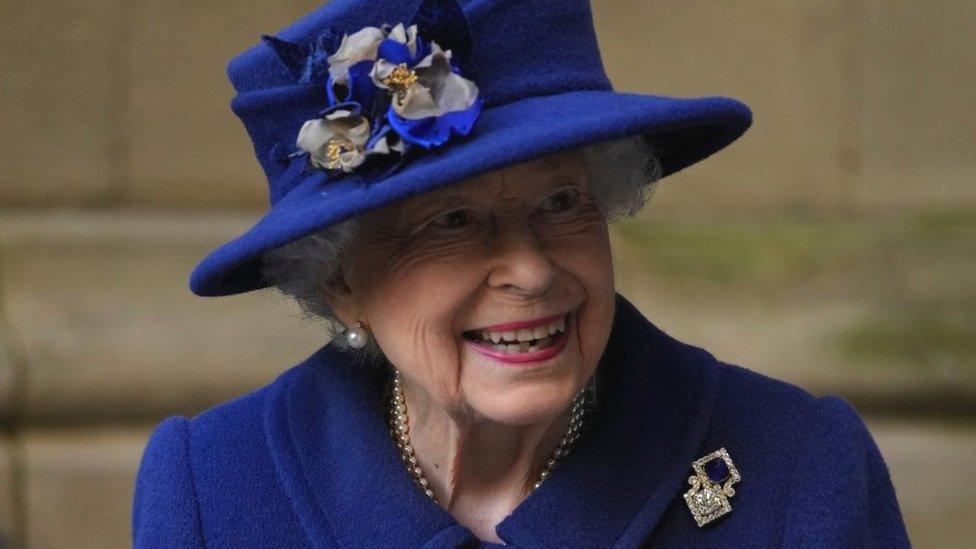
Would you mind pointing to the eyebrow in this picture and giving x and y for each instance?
(555, 177)
(443, 196)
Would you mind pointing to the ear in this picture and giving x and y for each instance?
(341, 298)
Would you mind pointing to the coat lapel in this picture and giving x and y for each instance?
(333, 454)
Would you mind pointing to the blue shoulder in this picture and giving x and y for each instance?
(813, 455)
(847, 499)
(165, 511)
(212, 477)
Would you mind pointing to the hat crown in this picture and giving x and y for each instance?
(519, 49)
(523, 48)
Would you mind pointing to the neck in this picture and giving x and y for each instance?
(479, 470)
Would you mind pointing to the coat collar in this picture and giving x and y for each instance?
(333, 454)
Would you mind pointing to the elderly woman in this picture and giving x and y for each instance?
(441, 181)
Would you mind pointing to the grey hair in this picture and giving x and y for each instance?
(622, 174)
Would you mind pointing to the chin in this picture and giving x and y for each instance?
(525, 402)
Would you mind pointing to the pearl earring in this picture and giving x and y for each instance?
(357, 336)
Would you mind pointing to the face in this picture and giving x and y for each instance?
(494, 297)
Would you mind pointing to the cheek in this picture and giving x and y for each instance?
(588, 260)
(416, 327)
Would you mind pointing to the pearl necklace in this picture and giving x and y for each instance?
(400, 430)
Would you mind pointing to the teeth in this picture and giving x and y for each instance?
(560, 325)
(513, 339)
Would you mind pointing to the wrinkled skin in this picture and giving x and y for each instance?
(521, 243)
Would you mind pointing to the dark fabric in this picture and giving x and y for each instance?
(307, 462)
(539, 71)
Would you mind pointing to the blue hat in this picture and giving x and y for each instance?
(365, 102)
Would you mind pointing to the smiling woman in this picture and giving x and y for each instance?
(508, 251)
(442, 178)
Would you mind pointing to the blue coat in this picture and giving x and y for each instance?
(307, 461)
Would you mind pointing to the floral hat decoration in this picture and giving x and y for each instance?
(389, 89)
(365, 102)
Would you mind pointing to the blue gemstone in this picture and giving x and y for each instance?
(717, 470)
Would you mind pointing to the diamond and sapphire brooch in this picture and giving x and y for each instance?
(711, 486)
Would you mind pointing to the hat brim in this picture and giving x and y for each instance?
(681, 130)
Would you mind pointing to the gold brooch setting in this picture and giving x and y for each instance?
(711, 486)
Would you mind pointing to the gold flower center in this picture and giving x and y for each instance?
(400, 79)
(334, 150)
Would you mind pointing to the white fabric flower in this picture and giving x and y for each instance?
(382, 145)
(335, 142)
(362, 45)
(428, 89)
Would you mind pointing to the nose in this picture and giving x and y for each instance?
(519, 264)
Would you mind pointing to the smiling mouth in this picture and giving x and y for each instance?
(522, 340)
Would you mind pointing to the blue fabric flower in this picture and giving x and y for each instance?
(430, 100)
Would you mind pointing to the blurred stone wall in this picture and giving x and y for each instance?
(832, 246)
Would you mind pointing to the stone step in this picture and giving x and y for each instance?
(139, 113)
(100, 314)
(78, 486)
(879, 310)
(9, 493)
(930, 464)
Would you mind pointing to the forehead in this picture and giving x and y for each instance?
(525, 180)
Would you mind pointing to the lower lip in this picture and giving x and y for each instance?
(522, 358)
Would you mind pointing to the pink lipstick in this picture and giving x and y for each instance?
(522, 342)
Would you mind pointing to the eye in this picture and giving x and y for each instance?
(561, 200)
(453, 219)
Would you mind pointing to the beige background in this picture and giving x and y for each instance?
(833, 246)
